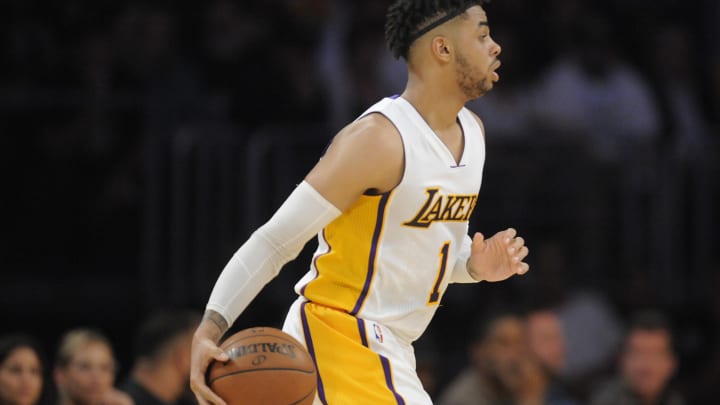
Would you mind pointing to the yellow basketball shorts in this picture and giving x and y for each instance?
(358, 361)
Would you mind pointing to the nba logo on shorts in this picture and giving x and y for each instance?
(378, 333)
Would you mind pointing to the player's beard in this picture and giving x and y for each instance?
(471, 81)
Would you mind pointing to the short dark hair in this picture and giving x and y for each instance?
(10, 343)
(407, 18)
(650, 321)
(160, 329)
(485, 324)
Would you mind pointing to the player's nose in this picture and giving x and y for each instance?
(496, 49)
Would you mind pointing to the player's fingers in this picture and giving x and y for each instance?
(523, 268)
(522, 253)
(516, 245)
(200, 400)
(509, 234)
(194, 388)
(208, 351)
(212, 397)
(197, 380)
(219, 355)
(203, 393)
(478, 240)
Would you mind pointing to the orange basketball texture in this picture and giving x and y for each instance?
(266, 367)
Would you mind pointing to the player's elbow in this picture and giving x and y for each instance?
(281, 249)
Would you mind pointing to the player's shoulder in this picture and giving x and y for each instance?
(372, 123)
(373, 130)
(368, 153)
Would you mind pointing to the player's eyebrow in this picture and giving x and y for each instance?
(485, 23)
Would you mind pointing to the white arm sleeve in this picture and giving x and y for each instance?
(460, 272)
(260, 258)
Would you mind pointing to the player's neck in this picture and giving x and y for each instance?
(438, 106)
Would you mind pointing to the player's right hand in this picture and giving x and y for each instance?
(204, 350)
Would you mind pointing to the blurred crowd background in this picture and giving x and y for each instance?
(143, 141)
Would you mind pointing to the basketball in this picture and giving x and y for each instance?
(266, 367)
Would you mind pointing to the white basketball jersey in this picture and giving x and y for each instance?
(388, 257)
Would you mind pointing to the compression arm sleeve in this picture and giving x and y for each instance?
(460, 273)
(261, 257)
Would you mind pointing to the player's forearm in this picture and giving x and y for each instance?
(213, 325)
(262, 256)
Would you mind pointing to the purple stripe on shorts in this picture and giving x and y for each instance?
(311, 349)
(373, 253)
(388, 380)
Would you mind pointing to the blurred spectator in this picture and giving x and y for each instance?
(261, 74)
(160, 375)
(588, 317)
(85, 370)
(584, 315)
(21, 371)
(675, 76)
(230, 35)
(592, 93)
(501, 372)
(331, 62)
(352, 36)
(701, 384)
(152, 62)
(647, 364)
(546, 341)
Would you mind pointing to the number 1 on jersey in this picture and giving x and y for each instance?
(435, 293)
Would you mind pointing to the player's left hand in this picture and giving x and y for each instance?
(499, 257)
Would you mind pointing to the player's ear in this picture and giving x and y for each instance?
(441, 48)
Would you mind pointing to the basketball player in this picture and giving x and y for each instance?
(389, 202)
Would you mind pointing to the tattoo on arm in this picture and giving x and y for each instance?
(218, 321)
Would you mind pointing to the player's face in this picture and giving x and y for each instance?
(90, 375)
(648, 362)
(20, 378)
(476, 56)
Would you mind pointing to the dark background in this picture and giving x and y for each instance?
(142, 142)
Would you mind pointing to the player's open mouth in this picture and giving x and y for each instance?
(495, 75)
